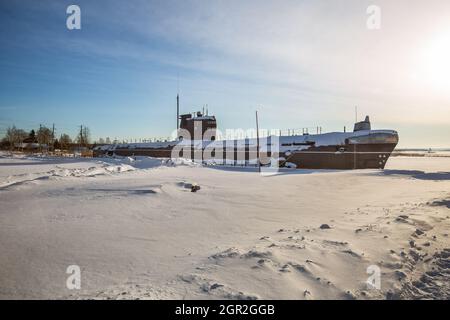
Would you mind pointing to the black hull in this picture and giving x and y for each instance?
(349, 156)
(369, 156)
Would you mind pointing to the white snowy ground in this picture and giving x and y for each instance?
(137, 232)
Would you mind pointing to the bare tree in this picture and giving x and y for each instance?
(44, 136)
(10, 136)
(14, 136)
(21, 135)
(65, 141)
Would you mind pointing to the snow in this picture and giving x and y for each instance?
(136, 231)
(290, 165)
(201, 118)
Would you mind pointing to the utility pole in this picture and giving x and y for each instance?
(53, 137)
(257, 143)
(81, 136)
(40, 138)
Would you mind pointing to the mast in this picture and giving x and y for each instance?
(257, 142)
(178, 102)
(178, 111)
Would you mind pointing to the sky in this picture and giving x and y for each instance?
(299, 63)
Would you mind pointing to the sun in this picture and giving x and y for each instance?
(436, 63)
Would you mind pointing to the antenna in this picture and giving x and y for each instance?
(356, 114)
(178, 101)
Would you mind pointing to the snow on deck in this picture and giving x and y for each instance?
(324, 139)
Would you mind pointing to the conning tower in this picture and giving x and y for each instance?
(362, 125)
(197, 125)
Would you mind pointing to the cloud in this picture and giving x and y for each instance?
(306, 44)
(312, 59)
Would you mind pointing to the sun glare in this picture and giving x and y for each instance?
(436, 66)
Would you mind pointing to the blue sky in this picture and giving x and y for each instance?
(300, 63)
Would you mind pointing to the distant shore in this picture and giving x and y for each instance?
(442, 152)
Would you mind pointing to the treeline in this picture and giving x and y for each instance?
(44, 138)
